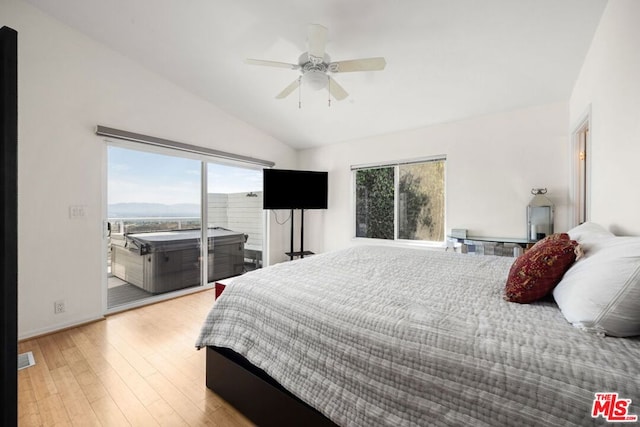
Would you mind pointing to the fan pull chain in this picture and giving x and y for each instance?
(300, 92)
(329, 91)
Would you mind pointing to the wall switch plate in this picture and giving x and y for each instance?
(77, 211)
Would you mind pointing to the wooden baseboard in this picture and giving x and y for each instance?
(65, 328)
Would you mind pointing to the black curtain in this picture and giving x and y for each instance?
(9, 224)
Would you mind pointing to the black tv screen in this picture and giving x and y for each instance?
(294, 189)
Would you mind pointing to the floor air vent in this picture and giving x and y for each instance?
(25, 360)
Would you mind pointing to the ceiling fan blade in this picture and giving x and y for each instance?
(336, 90)
(365, 64)
(287, 90)
(271, 63)
(317, 40)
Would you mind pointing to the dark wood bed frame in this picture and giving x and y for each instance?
(254, 393)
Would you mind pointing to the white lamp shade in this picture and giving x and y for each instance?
(316, 80)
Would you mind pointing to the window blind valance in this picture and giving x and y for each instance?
(166, 143)
(399, 162)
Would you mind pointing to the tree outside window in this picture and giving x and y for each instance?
(420, 203)
(374, 203)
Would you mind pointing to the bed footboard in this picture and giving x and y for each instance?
(259, 397)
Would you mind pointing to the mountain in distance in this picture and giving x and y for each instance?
(140, 210)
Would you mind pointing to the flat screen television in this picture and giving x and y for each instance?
(294, 189)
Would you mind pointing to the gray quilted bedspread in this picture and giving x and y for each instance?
(376, 335)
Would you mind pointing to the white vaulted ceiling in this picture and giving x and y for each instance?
(446, 59)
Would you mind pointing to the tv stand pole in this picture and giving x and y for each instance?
(291, 253)
(301, 233)
(301, 253)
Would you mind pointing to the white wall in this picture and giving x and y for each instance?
(217, 204)
(493, 162)
(609, 84)
(245, 215)
(68, 84)
(238, 212)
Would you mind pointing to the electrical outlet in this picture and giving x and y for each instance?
(58, 307)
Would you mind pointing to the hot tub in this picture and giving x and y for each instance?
(168, 260)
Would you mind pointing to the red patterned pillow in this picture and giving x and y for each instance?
(535, 273)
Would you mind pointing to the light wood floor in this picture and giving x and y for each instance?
(135, 368)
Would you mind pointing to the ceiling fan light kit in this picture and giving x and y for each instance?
(315, 66)
(316, 80)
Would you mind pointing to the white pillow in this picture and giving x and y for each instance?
(588, 232)
(601, 292)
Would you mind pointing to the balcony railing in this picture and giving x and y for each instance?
(151, 224)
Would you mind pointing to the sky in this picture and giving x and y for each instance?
(142, 177)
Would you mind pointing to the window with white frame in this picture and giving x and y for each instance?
(401, 200)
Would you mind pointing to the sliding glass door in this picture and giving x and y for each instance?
(235, 219)
(155, 215)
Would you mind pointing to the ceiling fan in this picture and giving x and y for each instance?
(315, 66)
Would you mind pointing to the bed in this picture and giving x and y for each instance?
(374, 335)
